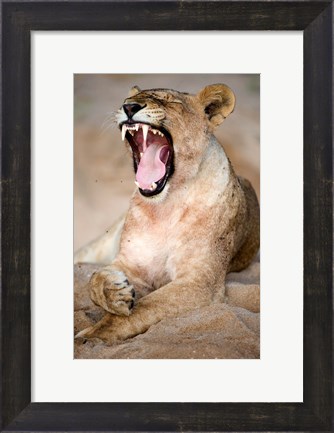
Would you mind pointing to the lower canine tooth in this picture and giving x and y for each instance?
(153, 186)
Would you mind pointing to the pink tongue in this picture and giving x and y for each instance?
(151, 168)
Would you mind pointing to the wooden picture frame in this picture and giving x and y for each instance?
(315, 19)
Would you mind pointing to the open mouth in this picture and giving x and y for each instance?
(152, 151)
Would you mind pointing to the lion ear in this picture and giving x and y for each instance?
(218, 102)
(134, 91)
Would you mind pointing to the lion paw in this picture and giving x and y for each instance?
(111, 290)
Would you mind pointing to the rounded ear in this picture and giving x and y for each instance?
(134, 91)
(218, 102)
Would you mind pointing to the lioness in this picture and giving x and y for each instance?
(191, 219)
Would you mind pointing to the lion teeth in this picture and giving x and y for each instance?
(153, 186)
(123, 132)
(156, 131)
(141, 154)
(145, 129)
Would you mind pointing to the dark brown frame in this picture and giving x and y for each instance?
(315, 19)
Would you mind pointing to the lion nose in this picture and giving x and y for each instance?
(131, 109)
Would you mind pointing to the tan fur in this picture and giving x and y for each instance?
(180, 244)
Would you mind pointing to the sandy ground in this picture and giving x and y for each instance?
(219, 331)
(103, 184)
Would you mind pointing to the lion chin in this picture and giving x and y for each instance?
(191, 219)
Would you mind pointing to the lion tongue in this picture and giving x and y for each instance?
(151, 168)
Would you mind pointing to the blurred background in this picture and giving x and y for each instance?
(103, 172)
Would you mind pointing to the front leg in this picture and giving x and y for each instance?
(172, 299)
(110, 289)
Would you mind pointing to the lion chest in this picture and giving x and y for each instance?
(146, 253)
(151, 246)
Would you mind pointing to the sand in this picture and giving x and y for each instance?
(221, 331)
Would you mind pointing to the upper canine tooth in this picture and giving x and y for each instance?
(137, 126)
(123, 132)
(137, 184)
(145, 131)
